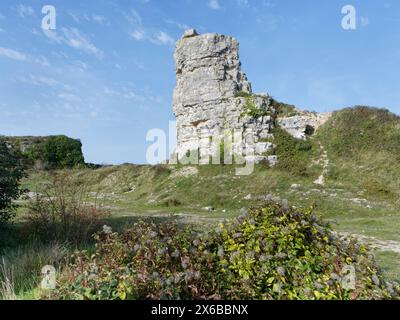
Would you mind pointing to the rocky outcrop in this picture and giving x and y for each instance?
(23, 144)
(213, 96)
(303, 124)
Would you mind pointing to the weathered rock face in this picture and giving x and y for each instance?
(213, 95)
(304, 123)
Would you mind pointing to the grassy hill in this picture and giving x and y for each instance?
(357, 151)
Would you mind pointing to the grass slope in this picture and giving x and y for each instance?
(360, 194)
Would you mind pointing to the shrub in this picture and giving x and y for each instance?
(11, 173)
(252, 110)
(271, 252)
(58, 152)
(242, 94)
(63, 210)
(283, 109)
(294, 154)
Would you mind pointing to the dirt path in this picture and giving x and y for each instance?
(324, 161)
(375, 243)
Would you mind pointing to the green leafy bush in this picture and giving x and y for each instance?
(283, 109)
(58, 152)
(252, 110)
(271, 252)
(242, 94)
(11, 173)
(294, 154)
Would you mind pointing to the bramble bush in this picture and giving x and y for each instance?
(270, 252)
(63, 210)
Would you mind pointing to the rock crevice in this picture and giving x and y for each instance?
(212, 95)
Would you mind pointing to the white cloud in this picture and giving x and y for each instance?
(99, 19)
(12, 54)
(39, 80)
(42, 61)
(19, 56)
(53, 36)
(78, 18)
(25, 11)
(133, 17)
(69, 97)
(181, 26)
(129, 93)
(138, 34)
(158, 38)
(214, 5)
(74, 16)
(74, 39)
(163, 38)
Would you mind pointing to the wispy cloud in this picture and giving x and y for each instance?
(177, 24)
(69, 97)
(214, 5)
(25, 11)
(100, 19)
(162, 38)
(39, 80)
(128, 93)
(2, 30)
(42, 60)
(20, 56)
(13, 54)
(79, 18)
(133, 17)
(158, 38)
(138, 34)
(74, 39)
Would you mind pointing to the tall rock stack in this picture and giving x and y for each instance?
(212, 95)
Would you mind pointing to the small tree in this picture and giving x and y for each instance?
(11, 173)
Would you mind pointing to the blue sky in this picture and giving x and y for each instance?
(106, 74)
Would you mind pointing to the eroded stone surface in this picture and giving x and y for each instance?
(303, 123)
(206, 102)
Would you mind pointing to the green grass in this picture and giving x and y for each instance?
(21, 266)
(363, 148)
(390, 263)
